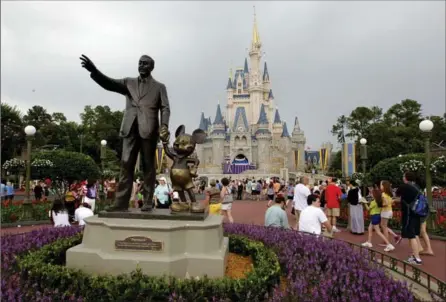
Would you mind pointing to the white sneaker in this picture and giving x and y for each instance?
(389, 248)
(367, 244)
(336, 230)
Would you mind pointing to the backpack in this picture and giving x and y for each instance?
(420, 205)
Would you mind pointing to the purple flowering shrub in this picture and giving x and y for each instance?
(14, 245)
(323, 270)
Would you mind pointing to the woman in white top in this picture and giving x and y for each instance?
(227, 199)
(59, 215)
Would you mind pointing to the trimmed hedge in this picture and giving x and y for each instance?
(389, 169)
(45, 269)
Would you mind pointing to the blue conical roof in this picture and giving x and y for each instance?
(277, 117)
(218, 117)
(229, 85)
(265, 73)
(245, 69)
(285, 130)
(263, 119)
(203, 122)
(270, 95)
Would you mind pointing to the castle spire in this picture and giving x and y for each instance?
(203, 123)
(270, 94)
(218, 116)
(245, 69)
(296, 124)
(285, 130)
(255, 33)
(277, 117)
(265, 73)
(263, 119)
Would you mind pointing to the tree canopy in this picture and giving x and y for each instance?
(55, 131)
(388, 133)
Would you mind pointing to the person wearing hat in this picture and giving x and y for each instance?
(213, 198)
(162, 194)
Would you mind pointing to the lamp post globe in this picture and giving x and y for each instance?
(30, 130)
(363, 141)
(426, 125)
(103, 142)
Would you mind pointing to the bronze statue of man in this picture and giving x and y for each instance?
(140, 128)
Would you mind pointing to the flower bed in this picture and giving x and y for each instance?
(11, 211)
(315, 270)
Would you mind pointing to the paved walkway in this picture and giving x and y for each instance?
(252, 212)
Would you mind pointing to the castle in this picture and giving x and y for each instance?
(251, 134)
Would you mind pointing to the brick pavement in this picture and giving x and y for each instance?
(252, 212)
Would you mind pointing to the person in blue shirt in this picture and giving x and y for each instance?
(162, 194)
(276, 216)
(3, 189)
(9, 188)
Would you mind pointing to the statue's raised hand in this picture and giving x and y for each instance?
(87, 63)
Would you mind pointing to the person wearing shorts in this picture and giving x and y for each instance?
(333, 202)
(227, 199)
(375, 221)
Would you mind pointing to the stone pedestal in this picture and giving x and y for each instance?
(160, 246)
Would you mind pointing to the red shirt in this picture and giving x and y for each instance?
(333, 196)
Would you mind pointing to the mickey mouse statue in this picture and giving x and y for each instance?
(184, 168)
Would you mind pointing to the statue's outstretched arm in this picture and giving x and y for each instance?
(119, 86)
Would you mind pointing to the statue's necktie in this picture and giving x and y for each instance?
(141, 86)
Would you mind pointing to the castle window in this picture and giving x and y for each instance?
(239, 84)
(239, 91)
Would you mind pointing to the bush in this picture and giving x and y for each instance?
(43, 267)
(389, 169)
(67, 166)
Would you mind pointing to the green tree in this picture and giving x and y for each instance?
(12, 132)
(69, 166)
(390, 134)
(100, 123)
(339, 129)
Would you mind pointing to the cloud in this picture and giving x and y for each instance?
(324, 58)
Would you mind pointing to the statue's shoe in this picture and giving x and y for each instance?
(176, 207)
(197, 207)
(147, 208)
(116, 209)
(184, 206)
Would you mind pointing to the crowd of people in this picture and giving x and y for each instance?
(315, 207)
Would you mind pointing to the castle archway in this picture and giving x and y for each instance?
(240, 159)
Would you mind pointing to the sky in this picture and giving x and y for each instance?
(324, 58)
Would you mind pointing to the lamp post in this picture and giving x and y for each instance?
(27, 213)
(363, 154)
(103, 144)
(426, 127)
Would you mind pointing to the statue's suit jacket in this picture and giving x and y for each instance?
(143, 106)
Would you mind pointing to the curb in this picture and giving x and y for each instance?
(24, 223)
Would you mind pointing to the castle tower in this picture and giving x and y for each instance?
(263, 136)
(230, 96)
(298, 140)
(277, 127)
(255, 81)
(218, 136)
